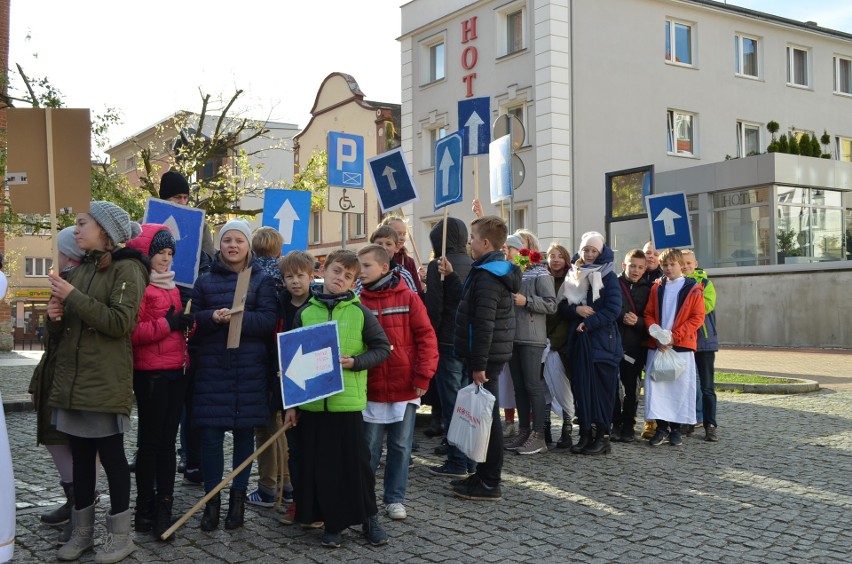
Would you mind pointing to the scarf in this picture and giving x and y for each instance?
(166, 280)
(381, 283)
(579, 279)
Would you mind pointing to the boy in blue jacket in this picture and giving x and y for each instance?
(484, 333)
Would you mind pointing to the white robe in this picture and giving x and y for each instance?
(671, 401)
(7, 494)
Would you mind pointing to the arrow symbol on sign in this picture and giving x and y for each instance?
(286, 217)
(667, 216)
(304, 367)
(445, 166)
(171, 223)
(472, 124)
(388, 173)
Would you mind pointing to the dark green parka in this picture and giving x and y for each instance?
(94, 358)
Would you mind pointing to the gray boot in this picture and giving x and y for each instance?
(82, 533)
(118, 542)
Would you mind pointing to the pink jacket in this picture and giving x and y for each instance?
(155, 346)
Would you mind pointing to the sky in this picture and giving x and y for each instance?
(149, 59)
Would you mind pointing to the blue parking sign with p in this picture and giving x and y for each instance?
(186, 225)
(345, 160)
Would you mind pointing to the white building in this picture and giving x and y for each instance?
(621, 99)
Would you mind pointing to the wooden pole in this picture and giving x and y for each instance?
(444, 236)
(411, 238)
(179, 523)
(476, 177)
(51, 187)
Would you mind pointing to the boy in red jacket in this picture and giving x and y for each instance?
(395, 386)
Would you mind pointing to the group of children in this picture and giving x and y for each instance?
(497, 312)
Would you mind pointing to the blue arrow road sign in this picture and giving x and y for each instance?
(669, 218)
(288, 211)
(448, 170)
(475, 123)
(345, 160)
(500, 169)
(392, 179)
(309, 360)
(186, 225)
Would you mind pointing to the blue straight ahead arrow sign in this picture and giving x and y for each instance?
(448, 172)
(289, 212)
(392, 179)
(669, 218)
(186, 225)
(475, 124)
(309, 360)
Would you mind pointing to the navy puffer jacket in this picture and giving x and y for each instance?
(231, 384)
(601, 327)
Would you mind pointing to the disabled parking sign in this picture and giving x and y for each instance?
(309, 360)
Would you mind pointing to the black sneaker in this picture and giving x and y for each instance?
(444, 470)
(710, 434)
(331, 540)
(660, 437)
(688, 430)
(192, 477)
(476, 490)
(443, 448)
(374, 532)
(463, 481)
(675, 438)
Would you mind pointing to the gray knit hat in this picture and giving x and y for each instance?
(115, 221)
(236, 224)
(515, 242)
(66, 243)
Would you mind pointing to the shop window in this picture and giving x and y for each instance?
(681, 133)
(746, 56)
(39, 267)
(748, 139)
(809, 225)
(842, 75)
(798, 66)
(741, 227)
(679, 42)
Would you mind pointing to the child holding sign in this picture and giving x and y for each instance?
(335, 482)
(394, 388)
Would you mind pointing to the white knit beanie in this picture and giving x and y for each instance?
(591, 239)
(66, 243)
(237, 224)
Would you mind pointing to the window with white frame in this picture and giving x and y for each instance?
(679, 42)
(520, 112)
(432, 135)
(34, 225)
(316, 227)
(746, 56)
(512, 20)
(357, 226)
(842, 75)
(37, 266)
(844, 149)
(748, 139)
(681, 133)
(434, 59)
(798, 66)
(130, 163)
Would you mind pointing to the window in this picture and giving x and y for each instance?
(741, 227)
(37, 266)
(432, 136)
(797, 66)
(842, 75)
(844, 149)
(130, 164)
(748, 139)
(357, 226)
(436, 62)
(678, 42)
(520, 112)
(847, 239)
(316, 227)
(681, 131)
(694, 221)
(745, 50)
(32, 227)
(512, 19)
(626, 223)
(809, 225)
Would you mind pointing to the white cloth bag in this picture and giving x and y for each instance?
(470, 427)
(7, 494)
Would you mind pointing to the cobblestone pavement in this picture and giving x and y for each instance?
(776, 488)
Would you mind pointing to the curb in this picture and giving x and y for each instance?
(17, 403)
(800, 386)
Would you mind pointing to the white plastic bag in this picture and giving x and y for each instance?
(470, 427)
(668, 365)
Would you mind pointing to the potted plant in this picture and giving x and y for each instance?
(787, 243)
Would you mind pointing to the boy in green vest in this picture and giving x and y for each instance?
(338, 486)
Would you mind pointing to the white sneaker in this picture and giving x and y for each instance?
(396, 511)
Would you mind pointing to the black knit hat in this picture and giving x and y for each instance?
(162, 239)
(173, 183)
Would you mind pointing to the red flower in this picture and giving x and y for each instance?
(524, 252)
(535, 257)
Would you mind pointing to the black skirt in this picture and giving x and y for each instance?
(337, 485)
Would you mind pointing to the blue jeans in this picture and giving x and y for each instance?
(452, 377)
(213, 456)
(400, 435)
(706, 389)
